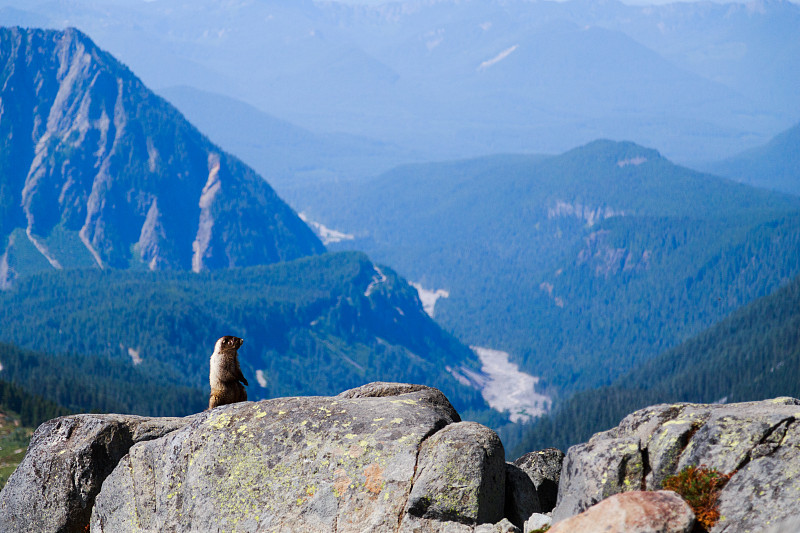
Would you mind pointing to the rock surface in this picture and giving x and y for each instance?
(757, 441)
(521, 498)
(460, 476)
(55, 486)
(640, 512)
(503, 526)
(537, 521)
(383, 457)
(544, 469)
(312, 463)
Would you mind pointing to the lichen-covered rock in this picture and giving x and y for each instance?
(55, 486)
(346, 463)
(766, 490)
(640, 512)
(521, 498)
(460, 476)
(757, 441)
(382, 389)
(537, 521)
(503, 526)
(597, 470)
(544, 469)
(790, 525)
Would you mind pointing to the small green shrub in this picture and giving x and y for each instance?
(700, 487)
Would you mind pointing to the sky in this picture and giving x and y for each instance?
(631, 2)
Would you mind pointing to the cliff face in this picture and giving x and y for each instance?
(96, 169)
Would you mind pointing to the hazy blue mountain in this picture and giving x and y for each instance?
(454, 79)
(12, 16)
(291, 157)
(753, 354)
(581, 265)
(141, 341)
(776, 165)
(97, 170)
(726, 43)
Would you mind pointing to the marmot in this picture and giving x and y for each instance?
(225, 375)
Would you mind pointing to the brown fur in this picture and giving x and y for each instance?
(226, 376)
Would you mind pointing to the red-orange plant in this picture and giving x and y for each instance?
(700, 487)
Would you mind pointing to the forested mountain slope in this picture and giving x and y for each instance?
(96, 170)
(753, 354)
(311, 326)
(581, 265)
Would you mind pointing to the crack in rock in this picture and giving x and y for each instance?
(425, 437)
(645, 466)
(769, 443)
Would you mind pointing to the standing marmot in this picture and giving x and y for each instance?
(225, 375)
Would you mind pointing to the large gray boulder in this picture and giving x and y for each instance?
(367, 460)
(759, 442)
(55, 486)
(460, 476)
(544, 469)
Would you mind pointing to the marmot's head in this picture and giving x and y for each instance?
(228, 343)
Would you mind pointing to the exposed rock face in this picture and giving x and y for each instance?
(759, 441)
(640, 512)
(55, 486)
(98, 170)
(544, 469)
(383, 457)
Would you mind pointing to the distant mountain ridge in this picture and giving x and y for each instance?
(452, 79)
(775, 165)
(581, 265)
(97, 170)
(291, 156)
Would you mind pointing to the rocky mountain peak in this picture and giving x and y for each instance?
(98, 170)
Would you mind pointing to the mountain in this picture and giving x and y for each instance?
(457, 79)
(293, 157)
(775, 165)
(100, 172)
(753, 354)
(140, 342)
(97, 170)
(581, 265)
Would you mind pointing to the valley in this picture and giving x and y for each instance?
(581, 265)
